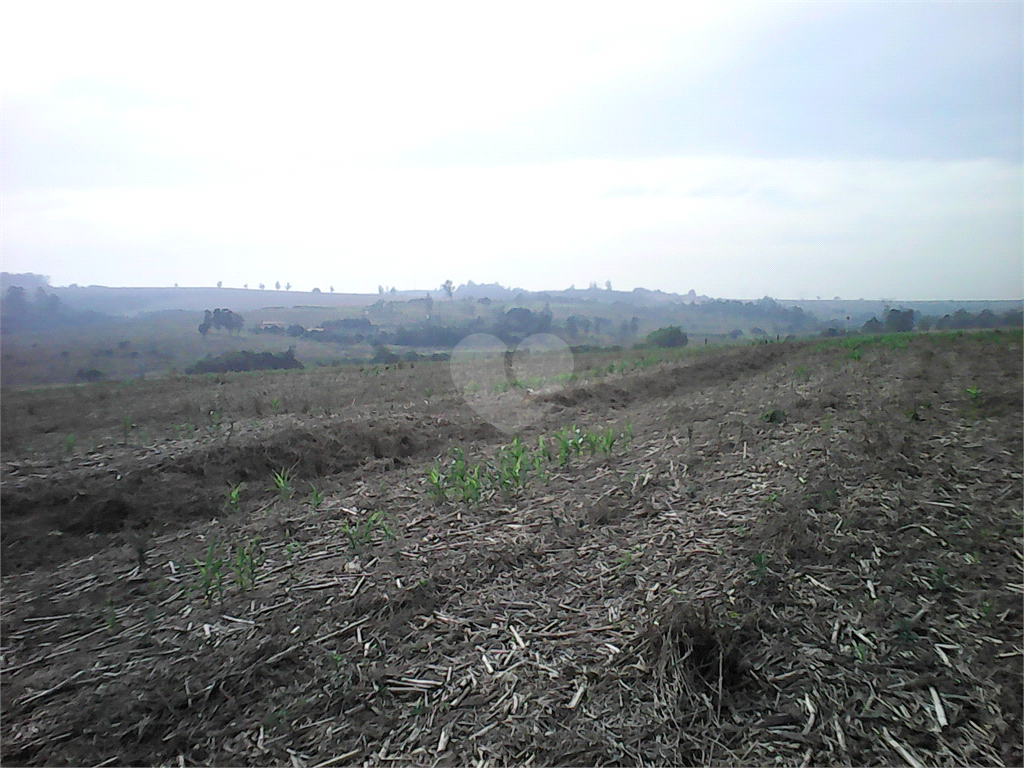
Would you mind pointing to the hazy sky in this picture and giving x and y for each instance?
(769, 148)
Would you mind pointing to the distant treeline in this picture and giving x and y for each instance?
(902, 321)
(244, 360)
(962, 319)
(44, 312)
(517, 323)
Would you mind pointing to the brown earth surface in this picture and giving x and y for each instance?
(807, 554)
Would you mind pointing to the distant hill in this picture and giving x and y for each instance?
(134, 301)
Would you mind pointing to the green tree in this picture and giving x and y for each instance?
(672, 336)
(448, 287)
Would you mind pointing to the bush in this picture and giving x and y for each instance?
(672, 336)
(244, 360)
(89, 374)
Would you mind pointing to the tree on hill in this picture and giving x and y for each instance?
(448, 287)
(230, 321)
(899, 322)
(871, 326)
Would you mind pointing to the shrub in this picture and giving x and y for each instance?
(89, 374)
(244, 360)
(672, 336)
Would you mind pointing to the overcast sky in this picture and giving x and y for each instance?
(769, 148)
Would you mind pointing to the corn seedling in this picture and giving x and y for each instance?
(941, 583)
(232, 497)
(437, 484)
(275, 405)
(283, 483)
(759, 567)
(361, 532)
(211, 574)
(975, 396)
(606, 440)
(126, 427)
(315, 498)
(247, 561)
(512, 466)
(469, 485)
(538, 458)
(69, 443)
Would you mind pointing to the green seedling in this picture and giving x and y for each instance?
(69, 443)
(759, 567)
(437, 484)
(361, 532)
(975, 395)
(111, 617)
(543, 449)
(126, 427)
(232, 497)
(246, 563)
(469, 485)
(315, 497)
(564, 453)
(292, 547)
(283, 483)
(211, 574)
(941, 582)
(275, 405)
(606, 440)
(513, 466)
(538, 458)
